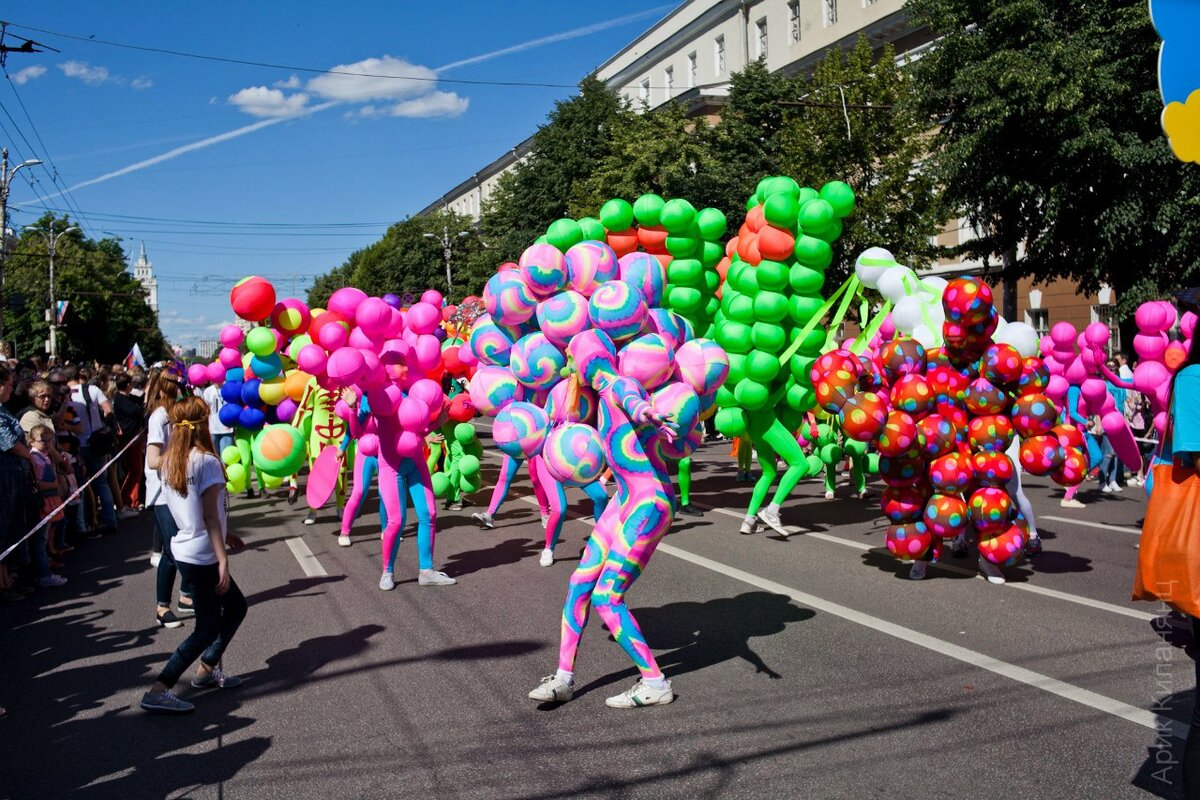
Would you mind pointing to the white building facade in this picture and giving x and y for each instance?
(143, 273)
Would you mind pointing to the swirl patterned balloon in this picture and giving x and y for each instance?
(645, 273)
(562, 316)
(590, 265)
(574, 454)
(674, 329)
(508, 299)
(520, 430)
(585, 404)
(702, 364)
(618, 310)
(492, 388)
(544, 268)
(490, 342)
(536, 362)
(681, 403)
(647, 360)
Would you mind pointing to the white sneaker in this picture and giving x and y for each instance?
(547, 558)
(772, 519)
(917, 572)
(51, 581)
(641, 695)
(553, 689)
(1072, 503)
(344, 541)
(387, 581)
(863, 494)
(1107, 488)
(311, 519)
(155, 558)
(990, 571)
(429, 577)
(484, 519)
(1115, 487)
(127, 513)
(829, 495)
(749, 526)
(545, 520)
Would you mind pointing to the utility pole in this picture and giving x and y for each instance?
(51, 247)
(5, 180)
(447, 247)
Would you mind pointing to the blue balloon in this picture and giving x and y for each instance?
(236, 374)
(230, 413)
(267, 366)
(251, 418)
(250, 393)
(231, 391)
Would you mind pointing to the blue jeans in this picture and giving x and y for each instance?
(1110, 465)
(221, 441)
(217, 620)
(93, 463)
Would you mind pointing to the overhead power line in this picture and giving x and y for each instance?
(223, 223)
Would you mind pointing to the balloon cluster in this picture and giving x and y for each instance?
(463, 463)
(772, 293)
(1160, 357)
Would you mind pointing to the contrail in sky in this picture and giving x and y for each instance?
(574, 33)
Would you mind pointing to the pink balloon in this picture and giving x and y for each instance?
(384, 400)
(197, 374)
(373, 374)
(345, 366)
(427, 353)
(1187, 325)
(1121, 439)
(286, 410)
(216, 372)
(1148, 375)
(1063, 334)
(394, 351)
(1097, 334)
(1150, 346)
(413, 414)
(410, 444)
(346, 301)
(281, 340)
(1076, 372)
(230, 358)
(1094, 392)
(312, 359)
(424, 317)
(395, 325)
(433, 297)
(428, 392)
(368, 444)
(373, 316)
(887, 331)
(1056, 389)
(232, 336)
(333, 337)
(358, 338)
(467, 356)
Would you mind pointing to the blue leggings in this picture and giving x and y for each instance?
(365, 468)
(411, 483)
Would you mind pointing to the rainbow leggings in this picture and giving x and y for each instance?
(410, 477)
(558, 502)
(508, 471)
(620, 546)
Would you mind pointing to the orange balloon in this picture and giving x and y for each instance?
(755, 218)
(731, 247)
(295, 383)
(1175, 355)
(753, 254)
(623, 242)
(653, 238)
(775, 243)
(664, 259)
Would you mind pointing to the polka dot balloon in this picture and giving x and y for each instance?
(993, 432)
(985, 397)
(967, 301)
(1035, 377)
(946, 515)
(992, 469)
(863, 416)
(990, 509)
(899, 434)
(1005, 549)
(909, 541)
(902, 470)
(913, 395)
(1070, 435)
(903, 503)
(951, 474)
(936, 435)
(835, 388)
(902, 357)
(1041, 455)
(1073, 469)
(1034, 415)
(1001, 364)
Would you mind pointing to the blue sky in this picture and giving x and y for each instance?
(329, 149)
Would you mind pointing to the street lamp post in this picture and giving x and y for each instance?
(447, 246)
(6, 179)
(51, 246)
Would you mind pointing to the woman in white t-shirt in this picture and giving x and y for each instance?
(165, 389)
(193, 481)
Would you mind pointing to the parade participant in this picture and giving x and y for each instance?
(328, 430)
(744, 450)
(627, 534)
(162, 394)
(366, 466)
(508, 471)
(684, 470)
(193, 481)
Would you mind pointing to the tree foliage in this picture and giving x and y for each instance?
(1049, 141)
(106, 312)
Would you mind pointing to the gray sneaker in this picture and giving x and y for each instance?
(387, 581)
(553, 689)
(430, 577)
(484, 519)
(641, 695)
(165, 703)
(217, 678)
(772, 519)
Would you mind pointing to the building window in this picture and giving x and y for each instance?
(830, 12)
(669, 80)
(719, 54)
(760, 38)
(794, 20)
(644, 90)
(1108, 315)
(1039, 318)
(625, 97)
(691, 78)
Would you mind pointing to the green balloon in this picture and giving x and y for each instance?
(840, 196)
(768, 337)
(617, 215)
(751, 395)
(812, 344)
(648, 209)
(825, 434)
(230, 456)
(772, 275)
(441, 483)
(770, 306)
(731, 422)
(543, 239)
(734, 337)
(260, 341)
(464, 433)
(761, 367)
(685, 272)
(831, 454)
(712, 224)
(752, 202)
(471, 483)
(677, 215)
(712, 281)
(468, 465)
(853, 447)
(781, 184)
(733, 274)
(710, 309)
(792, 420)
(781, 209)
(593, 230)
(724, 398)
(737, 367)
(806, 194)
(683, 246)
(761, 189)
(812, 252)
(815, 464)
(684, 299)
(800, 398)
(235, 477)
(815, 215)
(802, 307)
(747, 281)
(805, 280)
(298, 344)
(873, 463)
(564, 233)
(801, 368)
(711, 254)
(741, 309)
(831, 233)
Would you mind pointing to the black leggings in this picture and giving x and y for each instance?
(166, 528)
(217, 620)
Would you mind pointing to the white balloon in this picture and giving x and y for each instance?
(925, 336)
(868, 273)
(935, 283)
(1020, 335)
(907, 314)
(894, 283)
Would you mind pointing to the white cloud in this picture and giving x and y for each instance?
(392, 82)
(92, 76)
(292, 82)
(24, 76)
(141, 82)
(259, 101)
(435, 104)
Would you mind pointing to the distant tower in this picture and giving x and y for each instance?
(143, 273)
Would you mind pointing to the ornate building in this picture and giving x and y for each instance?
(143, 273)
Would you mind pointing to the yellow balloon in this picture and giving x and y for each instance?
(273, 390)
(271, 482)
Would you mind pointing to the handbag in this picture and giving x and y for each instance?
(1168, 567)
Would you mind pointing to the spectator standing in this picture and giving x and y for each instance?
(165, 390)
(222, 434)
(16, 476)
(44, 455)
(1124, 371)
(131, 421)
(95, 408)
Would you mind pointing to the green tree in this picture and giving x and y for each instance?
(106, 312)
(855, 127)
(1049, 142)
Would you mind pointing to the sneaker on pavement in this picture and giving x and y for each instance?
(217, 678)
(990, 571)
(1116, 487)
(167, 619)
(1071, 503)
(455, 506)
(344, 541)
(155, 558)
(429, 577)
(749, 526)
(387, 581)
(185, 610)
(484, 519)
(917, 571)
(51, 581)
(691, 511)
(553, 689)
(293, 495)
(641, 695)
(1033, 547)
(772, 519)
(127, 513)
(547, 558)
(165, 703)
(1106, 488)
(828, 495)
(311, 519)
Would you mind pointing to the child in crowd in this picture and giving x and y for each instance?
(44, 457)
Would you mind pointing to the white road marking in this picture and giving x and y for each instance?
(308, 562)
(1100, 525)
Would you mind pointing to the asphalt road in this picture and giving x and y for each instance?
(805, 667)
